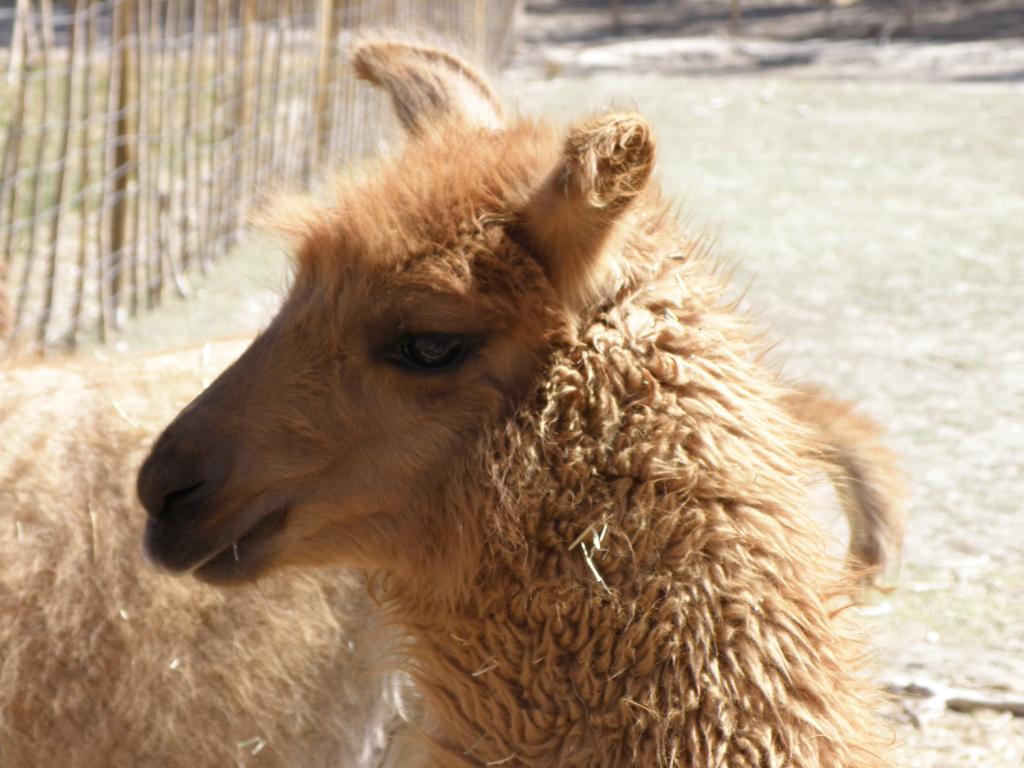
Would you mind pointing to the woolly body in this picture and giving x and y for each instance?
(108, 664)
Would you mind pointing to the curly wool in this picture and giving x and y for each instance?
(650, 589)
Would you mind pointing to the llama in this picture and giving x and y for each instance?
(105, 664)
(509, 390)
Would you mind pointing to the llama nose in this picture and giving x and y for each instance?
(170, 482)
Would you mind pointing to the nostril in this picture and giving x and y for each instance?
(175, 500)
(173, 479)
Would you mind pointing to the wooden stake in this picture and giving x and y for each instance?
(35, 187)
(53, 239)
(85, 24)
(192, 180)
(120, 258)
(325, 50)
(15, 131)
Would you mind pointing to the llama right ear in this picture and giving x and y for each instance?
(427, 84)
(605, 164)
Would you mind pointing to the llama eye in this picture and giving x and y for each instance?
(432, 351)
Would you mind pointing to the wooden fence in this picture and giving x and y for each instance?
(137, 132)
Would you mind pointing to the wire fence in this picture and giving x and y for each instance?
(137, 133)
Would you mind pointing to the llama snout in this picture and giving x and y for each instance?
(179, 489)
(172, 481)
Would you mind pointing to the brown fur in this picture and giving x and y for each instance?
(867, 476)
(593, 531)
(185, 673)
(413, 75)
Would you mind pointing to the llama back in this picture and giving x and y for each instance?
(107, 662)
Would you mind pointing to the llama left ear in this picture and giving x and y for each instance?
(605, 165)
(427, 84)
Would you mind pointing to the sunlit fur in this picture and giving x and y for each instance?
(415, 75)
(104, 663)
(867, 476)
(593, 533)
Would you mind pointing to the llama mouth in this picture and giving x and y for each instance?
(246, 557)
(192, 542)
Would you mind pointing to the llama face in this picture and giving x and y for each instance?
(334, 436)
(426, 297)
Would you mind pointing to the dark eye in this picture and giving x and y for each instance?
(432, 351)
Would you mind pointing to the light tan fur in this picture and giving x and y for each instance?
(572, 220)
(107, 664)
(6, 313)
(592, 527)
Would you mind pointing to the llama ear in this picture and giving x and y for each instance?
(427, 84)
(605, 164)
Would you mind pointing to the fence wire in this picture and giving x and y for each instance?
(137, 133)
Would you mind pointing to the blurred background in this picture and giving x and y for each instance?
(860, 163)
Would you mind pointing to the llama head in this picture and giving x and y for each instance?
(426, 299)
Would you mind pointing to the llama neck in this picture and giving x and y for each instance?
(560, 670)
(648, 592)
(653, 629)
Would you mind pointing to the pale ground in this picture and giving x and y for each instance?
(943, 40)
(881, 228)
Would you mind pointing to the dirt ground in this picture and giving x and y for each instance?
(877, 217)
